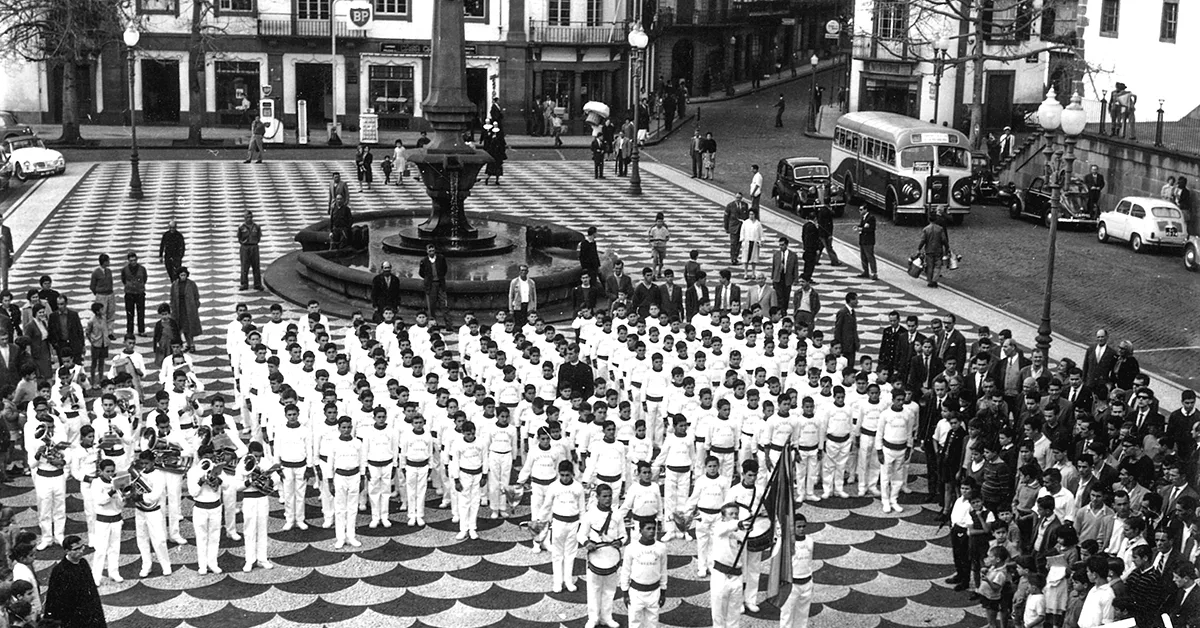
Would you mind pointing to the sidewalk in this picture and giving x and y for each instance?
(775, 80)
(948, 299)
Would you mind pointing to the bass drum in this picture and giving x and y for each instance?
(604, 560)
(761, 537)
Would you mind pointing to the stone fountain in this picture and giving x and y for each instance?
(486, 248)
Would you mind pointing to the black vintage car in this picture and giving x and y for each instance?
(984, 188)
(1034, 202)
(803, 185)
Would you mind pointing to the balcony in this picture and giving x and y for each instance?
(577, 33)
(284, 26)
(721, 13)
(869, 47)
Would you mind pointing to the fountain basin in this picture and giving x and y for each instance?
(477, 282)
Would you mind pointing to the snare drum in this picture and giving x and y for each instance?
(604, 560)
(760, 538)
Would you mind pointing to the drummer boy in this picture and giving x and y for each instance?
(602, 535)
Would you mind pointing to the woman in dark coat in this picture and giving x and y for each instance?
(362, 164)
(185, 307)
(496, 146)
(1125, 368)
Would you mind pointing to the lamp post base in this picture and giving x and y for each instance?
(635, 174)
(135, 179)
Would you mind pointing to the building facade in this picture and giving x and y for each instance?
(1027, 46)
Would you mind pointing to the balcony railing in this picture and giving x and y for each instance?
(869, 47)
(721, 13)
(293, 27)
(543, 32)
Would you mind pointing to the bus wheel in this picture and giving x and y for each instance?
(892, 207)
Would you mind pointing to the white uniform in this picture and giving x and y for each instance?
(676, 456)
(868, 464)
(467, 462)
(601, 526)
(150, 523)
(721, 440)
(809, 437)
(747, 499)
(293, 446)
(644, 577)
(501, 449)
(794, 612)
(82, 463)
(382, 448)
(725, 587)
(255, 516)
(708, 495)
(206, 519)
(419, 451)
(540, 470)
(563, 503)
(893, 439)
(607, 464)
(50, 484)
(348, 460)
(839, 428)
(107, 543)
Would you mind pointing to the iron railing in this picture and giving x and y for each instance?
(544, 32)
(294, 27)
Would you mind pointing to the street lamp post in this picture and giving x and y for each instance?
(638, 40)
(334, 138)
(812, 104)
(1058, 169)
(131, 38)
(729, 91)
(941, 49)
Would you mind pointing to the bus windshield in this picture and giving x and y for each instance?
(951, 157)
(914, 154)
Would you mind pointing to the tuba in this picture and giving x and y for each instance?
(52, 452)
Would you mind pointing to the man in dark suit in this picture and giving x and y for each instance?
(845, 327)
(671, 295)
(618, 283)
(66, 331)
(728, 296)
(1097, 363)
(589, 256)
(783, 273)
(810, 242)
(893, 343)
(972, 388)
(953, 345)
(1179, 424)
(923, 368)
(910, 348)
(10, 363)
(1077, 394)
(1007, 372)
(1177, 489)
(1184, 606)
(1094, 181)
(38, 333)
(1038, 372)
(385, 291)
(433, 270)
(1144, 415)
(695, 297)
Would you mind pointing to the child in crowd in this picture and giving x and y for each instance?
(1034, 615)
(386, 165)
(98, 336)
(992, 583)
(166, 333)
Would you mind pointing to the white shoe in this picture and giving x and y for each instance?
(339, 544)
(385, 523)
(373, 525)
(860, 493)
(420, 522)
(843, 494)
(700, 573)
(412, 522)
(751, 607)
(826, 495)
(287, 526)
(247, 567)
(536, 549)
(904, 489)
(570, 587)
(814, 497)
(301, 525)
(179, 539)
(874, 492)
(494, 515)
(328, 523)
(203, 571)
(887, 507)
(897, 508)
(473, 534)
(216, 569)
(461, 536)
(145, 573)
(354, 542)
(166, 571)
(234, 536)
(43, 545)
(610, 623)
(266, 564)
(557, 588)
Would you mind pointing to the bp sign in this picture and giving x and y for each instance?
(361, 13)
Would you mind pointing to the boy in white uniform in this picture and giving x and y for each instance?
(467, 468)
(867, 425)
(676, 458)
(419, 449)
(501, 449)
(893, 443)
(794, 612)
(600, 529)
(293, 446)
(564, 501)
(644, 577)
(839, 428)
(708, 495)
(347, 460)
(381, 442)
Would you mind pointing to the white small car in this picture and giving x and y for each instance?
(28, 157)
(1143, 221)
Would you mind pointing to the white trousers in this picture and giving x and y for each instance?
(229, 502)
(808, 470)
(725, 600)
(379, 490)
(891, 475)
(345, 506)
(416, 483)
(207, 523)
(794, 612)
(499, 473)
(151, 530)
(833, 471)
(468, 502)
(600, 593)
(704, 534)
(643, 608)
(326, 501)
(750, 575)
(564, 544)
(89, 509)
(868, 464)
(108, 549)
(173, 502)
(675, 494)
(52, 505)
(291, 493)
(255, 515)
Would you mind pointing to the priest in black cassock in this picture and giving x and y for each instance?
(71, 596)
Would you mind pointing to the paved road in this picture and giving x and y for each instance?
(1148, 299)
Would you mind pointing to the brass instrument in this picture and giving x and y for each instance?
(51, 452)
(111, 439)
(135, 489)
(167, 455)
(212, 473)
(260, 479)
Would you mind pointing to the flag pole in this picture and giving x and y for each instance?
(784, 458)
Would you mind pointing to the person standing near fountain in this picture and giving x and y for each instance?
(433, 270)
(339, 211)
(522, 297)
(385, 291)
(363, 162)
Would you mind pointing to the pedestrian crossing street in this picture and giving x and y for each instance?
(874, 569)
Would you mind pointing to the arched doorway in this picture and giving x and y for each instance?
(683, 60)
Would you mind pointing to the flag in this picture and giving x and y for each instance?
(779, 504)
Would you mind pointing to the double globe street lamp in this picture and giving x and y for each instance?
(131, 37)
(1058, 168)
(941, 51)
(638, 40)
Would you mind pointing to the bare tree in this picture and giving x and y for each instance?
(980, 31)
(65, 33)
(203, 35)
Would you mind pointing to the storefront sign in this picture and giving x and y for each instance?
(417, 50)
(368, 128)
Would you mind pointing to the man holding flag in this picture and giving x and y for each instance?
(794, 611)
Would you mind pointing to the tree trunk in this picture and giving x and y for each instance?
(70, 105)
(196, 84)
(978, 52)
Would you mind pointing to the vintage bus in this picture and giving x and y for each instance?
(901, 165)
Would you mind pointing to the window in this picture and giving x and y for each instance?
(1123, 207)
(389, 8)
(1170, 21)
(591, 86)
(158, 6)
(559, 13)
(475, 9)
(910, 156)
(237, 85)
(391, 89)
(1110, 17)
(235, 6)
(1138, 212)
(595, 12)
(560, 85)
(950, 157)
(312, 9)
(891, 19)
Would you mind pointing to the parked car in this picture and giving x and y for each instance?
(802, 184)
(1034, 202)
(1191, 253)
(11, 127)
(1144, 221)
(28, 157)
(984, 189)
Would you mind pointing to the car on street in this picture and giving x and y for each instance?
(1191, 253)
(10, 126)
(28, 157)
(1034, 202)
(984, 189)
(803, 185)
(1143, 221)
